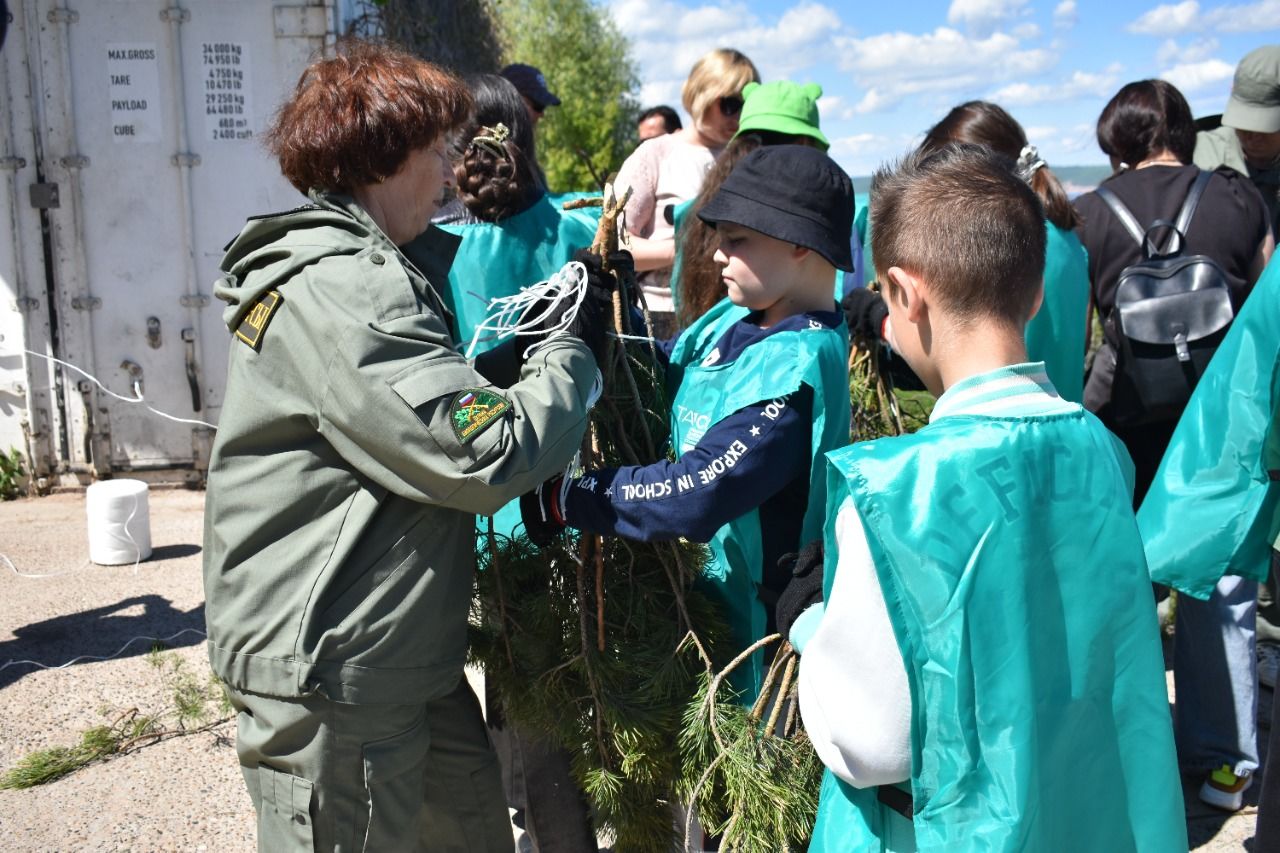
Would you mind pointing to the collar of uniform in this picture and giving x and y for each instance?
(1001, 390)
(431, 253)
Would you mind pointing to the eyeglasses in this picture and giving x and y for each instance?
(730, 105)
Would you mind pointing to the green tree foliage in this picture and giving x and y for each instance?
(587, 64)
(461, 35)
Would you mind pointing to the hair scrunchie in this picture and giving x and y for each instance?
(1029, 161)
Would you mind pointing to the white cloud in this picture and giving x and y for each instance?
(1186, 17)
(1246, 18)
(983, 16)
(874, 101)
(1026, 31)
(857, 144)
(1190, 76)
(1167, 19)
(1064, 14)
(1081, 84)
(891, 66)
(835, 108)
(669, 37)
(1198, 50)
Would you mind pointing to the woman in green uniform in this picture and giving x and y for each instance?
(355, 448)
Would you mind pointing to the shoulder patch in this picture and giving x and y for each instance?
(254, 324)
(474, 409)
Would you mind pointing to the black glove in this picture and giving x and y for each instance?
(864, 313)
(540, 512)
(804, 588)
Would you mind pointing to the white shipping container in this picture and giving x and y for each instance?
(130, 152)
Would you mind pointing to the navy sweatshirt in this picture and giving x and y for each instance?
(757, 457)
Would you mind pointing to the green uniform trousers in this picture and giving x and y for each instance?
(328, 776)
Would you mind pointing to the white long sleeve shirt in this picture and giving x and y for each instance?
(854, 696)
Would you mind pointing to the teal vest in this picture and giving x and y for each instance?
(498, 258)
(1216, 470)
(1015, 581)
(703, 396)
(1056, 334)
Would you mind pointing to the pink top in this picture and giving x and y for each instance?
(663, 171)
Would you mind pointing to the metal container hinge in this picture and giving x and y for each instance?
(23, 304)
(175, 14)
(300, 21)
(194, 300)
(12, 164)
(74, 161)
(44, 196)
(185, 159)
(63, 16)
(86, 303)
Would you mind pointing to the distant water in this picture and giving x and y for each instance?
(1075, 179)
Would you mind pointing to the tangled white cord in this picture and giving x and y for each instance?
(116, 654)
(137, 391)
(525, 313)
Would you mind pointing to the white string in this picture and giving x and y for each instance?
(20, 574)
(137, 391)
(525, 313)
(136, 549)
(644, 339)
(117, 654)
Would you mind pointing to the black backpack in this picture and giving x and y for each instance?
(1171, 313)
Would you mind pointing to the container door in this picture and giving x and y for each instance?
(28, 408)
(150, 125)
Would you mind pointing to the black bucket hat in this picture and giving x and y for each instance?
(792, 193)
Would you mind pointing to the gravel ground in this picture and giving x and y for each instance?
(184, 794)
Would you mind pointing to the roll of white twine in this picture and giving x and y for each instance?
(119, 522)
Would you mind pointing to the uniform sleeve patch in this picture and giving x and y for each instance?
(254, 324)
(473, 410)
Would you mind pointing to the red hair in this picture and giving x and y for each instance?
(356, 116)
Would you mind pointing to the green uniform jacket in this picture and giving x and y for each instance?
(354, 450)
(1212, 507)
(1039, 717)
(1221, 147)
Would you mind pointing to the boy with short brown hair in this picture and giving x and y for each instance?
(988, 634)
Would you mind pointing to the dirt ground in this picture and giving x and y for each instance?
(184, 794)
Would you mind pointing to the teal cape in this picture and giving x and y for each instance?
(1056, 335)
(1211, 510)
(704, 395)
(1039, 715)
(499, 258)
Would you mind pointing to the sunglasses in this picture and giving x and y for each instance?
(730, 105)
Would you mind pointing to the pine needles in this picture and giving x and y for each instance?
(751, 773)
(197, 706)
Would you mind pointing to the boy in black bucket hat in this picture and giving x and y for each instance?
(759, 386)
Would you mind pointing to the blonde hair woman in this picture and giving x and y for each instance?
(669, 169)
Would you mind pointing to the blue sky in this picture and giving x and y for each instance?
(889, 70)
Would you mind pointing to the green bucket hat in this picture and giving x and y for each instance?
(782, 107)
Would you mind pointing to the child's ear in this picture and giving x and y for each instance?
(1038, 304)
(907, 293)
(798, 253)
